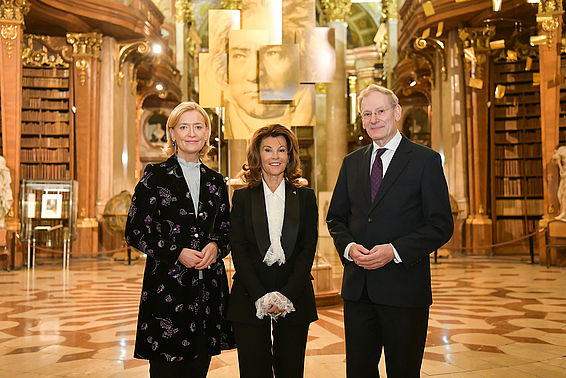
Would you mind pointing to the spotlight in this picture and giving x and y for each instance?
(156, 48)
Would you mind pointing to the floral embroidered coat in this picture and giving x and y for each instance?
(161, 222)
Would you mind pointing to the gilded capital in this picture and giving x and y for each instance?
(231, 4)
(13, 10)
(184, 12)
(391, 6)
(548, 17)
(336, 10)
(85, 44)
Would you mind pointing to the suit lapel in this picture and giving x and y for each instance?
(259, 219)
(400, 159)
(290, 220)
(365, 171)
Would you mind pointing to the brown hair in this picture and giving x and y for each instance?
(252, 169)
(173, 119)
(393, 99)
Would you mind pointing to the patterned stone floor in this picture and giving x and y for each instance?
(491, 318)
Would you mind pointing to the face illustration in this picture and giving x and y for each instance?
(278, 73)
(379, 118)
(243, 73)
(190, 133)
(274, 156)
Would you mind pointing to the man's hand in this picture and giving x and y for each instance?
(190, 257)
(377, 257)
(210, 251)
(357, 251)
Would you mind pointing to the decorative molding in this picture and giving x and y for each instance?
(139, 49)
(231, 4)
(320, 88)
(548, 17)
(336, 10)
(438, 46)
(85, 44)
(82, 66)
(39, 50)
(183, 12)
(391, 9)
(475, 42)
(13, 10)
(9, 33)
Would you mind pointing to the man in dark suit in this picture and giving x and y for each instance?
(390, 209)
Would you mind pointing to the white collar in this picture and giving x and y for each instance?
(279, 192)
(188, 164)
(391, 145)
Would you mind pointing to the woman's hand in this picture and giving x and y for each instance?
(190, 257)
(275, 311)
(210, 252)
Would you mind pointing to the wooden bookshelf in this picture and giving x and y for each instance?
(47, 135)
(517, 200)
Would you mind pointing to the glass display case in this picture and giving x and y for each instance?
(48, 214)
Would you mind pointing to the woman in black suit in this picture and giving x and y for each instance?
(180, 219)
(273, 237)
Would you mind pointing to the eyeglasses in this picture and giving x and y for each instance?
(379, 113)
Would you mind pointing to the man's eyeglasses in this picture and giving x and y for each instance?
(379, 113)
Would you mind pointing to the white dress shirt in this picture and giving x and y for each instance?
(191, 172)
(386, 157)
(275, 208)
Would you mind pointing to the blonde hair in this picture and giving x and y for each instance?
(393, 99)
(173, 120)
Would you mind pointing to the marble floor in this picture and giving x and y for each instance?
(491, 318)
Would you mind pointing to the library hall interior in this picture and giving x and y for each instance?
(464, 155)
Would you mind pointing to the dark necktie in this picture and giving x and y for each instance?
(376, 175)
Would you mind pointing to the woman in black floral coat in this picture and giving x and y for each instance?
(180, 218)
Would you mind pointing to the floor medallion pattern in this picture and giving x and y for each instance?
(490, 318)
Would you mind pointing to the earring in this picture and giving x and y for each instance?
(174, 144)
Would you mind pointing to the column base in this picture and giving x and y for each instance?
(86, 244)
(479, 233)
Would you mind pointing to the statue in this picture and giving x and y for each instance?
(6, 199)
(559, 157)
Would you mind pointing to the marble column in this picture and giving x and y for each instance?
(106, 127)
(392, 32)
(86, 79)
(337, 108)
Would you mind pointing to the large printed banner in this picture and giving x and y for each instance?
(263, 63)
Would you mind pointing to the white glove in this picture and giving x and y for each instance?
(274, 298)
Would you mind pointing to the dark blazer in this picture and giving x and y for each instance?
(249, 238)
(161, 222)
(411, 210)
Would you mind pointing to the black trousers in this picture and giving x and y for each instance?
(401, 331)
(258, 357)
(197, 368)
